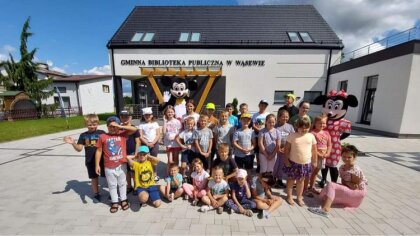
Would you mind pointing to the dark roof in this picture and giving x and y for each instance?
(49, 72)
(226, 27)
(76, 78)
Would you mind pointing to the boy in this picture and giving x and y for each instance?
(173, 188)
(203, 141)
(143, 176)
(243, 108)
(258, 123)
(244, 143)
(132, 143)
(224, 131)
(233, 120)
(226, 162)
(213, 121)
(88, 140)
(113, 146)
(217, 192)
(288, 106)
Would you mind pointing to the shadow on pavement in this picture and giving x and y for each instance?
(84, 189)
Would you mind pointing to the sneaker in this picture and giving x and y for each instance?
(219, 210)
(321, 183)
(171, 197)
(157, 178)
(265, 214)
(230, 211)
(204, 208)
(97, 197)
(195, 202)
(186, 197)
(248, 213)
(319, 211)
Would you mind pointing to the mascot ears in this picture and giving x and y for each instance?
(350, 100)
(320, 100)
(190, 82)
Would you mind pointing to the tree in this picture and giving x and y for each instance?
(22, 75)
(128, 100)
(235, 106)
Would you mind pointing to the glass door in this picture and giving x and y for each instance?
(369, 99)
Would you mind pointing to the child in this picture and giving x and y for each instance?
(262, 194)
(150, 134)
(171, 128)
(88, 140)
(300, 152)
(303, 112)
(288, 106)
(268, 143)
(285, 129)
(244, 143)
(190, 106)
(241, 201)
(199, 179)
(133, 144)
(258, 121)
(323, 144)
(113, 146)
(224, 131)
(185, 141)
(233, 120)
(353, 187)
(243, 108)
(143, 176)
(226, 162)
(173, 188)
(217, 192)
(203, 141)
(213, 121)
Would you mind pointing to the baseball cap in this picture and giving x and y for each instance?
(143, 149)
(241, 173)
(124, 113)
(147, 111)
(264, 102)
(246, 115)
(291, 95)
(113, 119)
(210, 106)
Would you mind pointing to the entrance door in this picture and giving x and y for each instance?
(371, 85)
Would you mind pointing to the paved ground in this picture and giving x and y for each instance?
(44, 190)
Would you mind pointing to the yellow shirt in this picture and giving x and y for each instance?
(143, 174)
(301, 147)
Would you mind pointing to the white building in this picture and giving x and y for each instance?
(264, 51)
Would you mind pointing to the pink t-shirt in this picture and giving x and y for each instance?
(301, 147)
(323, 139)
(199, 179)
(345, 175)
(171, 128)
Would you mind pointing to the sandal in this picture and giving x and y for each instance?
(114, 208)
(125, 205)
(247, 213)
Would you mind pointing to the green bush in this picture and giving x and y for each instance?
(105, 116)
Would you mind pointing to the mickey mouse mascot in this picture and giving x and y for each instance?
(178, 95)
(335, 106)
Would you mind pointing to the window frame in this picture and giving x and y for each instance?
(62, 89)
(147, 34)
(105, 88)
(299, 40)
(137, 33)
(195, 33)
(283, 101)
(187, 39)
(311, 101)
(341, 83)
(303, 38)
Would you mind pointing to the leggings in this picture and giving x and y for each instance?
(192, 192)
(246, 204)
(333, 174)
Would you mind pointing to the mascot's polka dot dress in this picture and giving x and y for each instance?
(336, 128)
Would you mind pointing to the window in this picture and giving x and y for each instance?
(294, 37)
(184, 37)
(279, 96)
(62, 89)
(371, 84)
(311, 95)
(137, 37)
(105, 88)
(66, 101)
(195, 37)
(342, 85)
(305, 37)
(148, 37)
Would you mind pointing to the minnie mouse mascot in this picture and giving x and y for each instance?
(335, 106)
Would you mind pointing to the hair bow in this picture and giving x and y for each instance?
(340, 93)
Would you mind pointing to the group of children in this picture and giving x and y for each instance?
(294, 152)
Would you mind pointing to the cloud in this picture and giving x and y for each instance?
(4, 57)
(58, 69)
(9, 48)
(361, 22)
(98, 70)
(5, 51)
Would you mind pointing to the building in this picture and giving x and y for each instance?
(386, 83)
(262, 52)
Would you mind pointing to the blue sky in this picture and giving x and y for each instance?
(72, 35)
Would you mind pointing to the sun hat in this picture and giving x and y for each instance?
(210, 106)
(241, 173)
(147, 111)
(113, 119)
(143, 149)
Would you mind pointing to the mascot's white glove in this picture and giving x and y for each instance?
(166, 96)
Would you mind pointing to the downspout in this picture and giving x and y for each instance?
(78, 101)
(328, 74)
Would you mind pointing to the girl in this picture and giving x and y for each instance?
(199, 179)
(353, 187)
(323, 145)
(261, 192)
(171, 128)
(241, 201)
(268, 143)
(217, 192)
(300, 152)
(285, 129)
(223, 131)
(303, 112)
(190, 106)
(185, 141)
(150, 134)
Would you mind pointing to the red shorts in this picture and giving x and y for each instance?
(173, 149)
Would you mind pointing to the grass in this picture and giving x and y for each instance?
(15, 130)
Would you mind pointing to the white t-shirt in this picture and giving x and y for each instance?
(218, 188)
(172, 128)
(200, 179)
(260, 117)
(194, 115)
(149, 130)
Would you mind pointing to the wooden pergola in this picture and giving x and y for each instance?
(183, 72)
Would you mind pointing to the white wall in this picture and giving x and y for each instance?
(70, 92)
(93, 99)
(410, 122)
(390, 96)
(285, 69)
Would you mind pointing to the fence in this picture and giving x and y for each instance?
(402, 37)
(28, 114)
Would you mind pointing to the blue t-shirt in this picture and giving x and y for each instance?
(240, 191)
(170, 180)
(233, 120)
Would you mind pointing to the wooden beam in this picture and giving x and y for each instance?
(155, 87)
(205, 93)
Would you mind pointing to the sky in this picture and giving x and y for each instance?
(71, 36)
